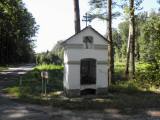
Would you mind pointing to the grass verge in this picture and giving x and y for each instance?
(3, 68)
(122, 95)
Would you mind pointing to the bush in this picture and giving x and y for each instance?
(48, 67)
(32, 85)
(147, 76)
(55, 73)
(148, 79)
(130, 86)
(48, 58)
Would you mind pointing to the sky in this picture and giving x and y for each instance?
(56, 20)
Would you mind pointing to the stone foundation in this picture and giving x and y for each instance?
(72, 92)
(77, 92)
(101, 91)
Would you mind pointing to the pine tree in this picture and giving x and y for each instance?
(77, 16)
(110, 47)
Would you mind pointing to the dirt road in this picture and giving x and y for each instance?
(14, 72)
(11, 110)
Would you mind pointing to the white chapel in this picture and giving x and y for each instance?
(85, 63)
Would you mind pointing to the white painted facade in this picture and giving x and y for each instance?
(75, 51)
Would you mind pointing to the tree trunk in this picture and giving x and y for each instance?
(128, 55)
(137, 51)
(77, 16)
(110, 47)
(130, 63)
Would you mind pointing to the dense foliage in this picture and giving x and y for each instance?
(151, 37)
(17, 29)
(147, 49)
(98, 8)
(55, 56)
(147, 39)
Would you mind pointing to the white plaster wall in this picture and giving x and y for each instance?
(65, 76)
(72, 80)
(65, 55)
(102, 76)
(78, 54)
(73, 56)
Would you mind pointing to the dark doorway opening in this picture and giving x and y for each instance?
(88, 92)
(88, 71)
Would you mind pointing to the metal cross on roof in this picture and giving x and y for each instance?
(87, 19)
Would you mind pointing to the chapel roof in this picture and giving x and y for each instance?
(88, 27)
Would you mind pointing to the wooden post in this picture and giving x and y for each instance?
(20, 81)
(44, 76)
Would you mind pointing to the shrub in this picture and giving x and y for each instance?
(130, 86)
(147, 75)
(55, 73)
(48, 67)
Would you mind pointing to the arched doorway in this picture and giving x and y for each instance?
(88, 71)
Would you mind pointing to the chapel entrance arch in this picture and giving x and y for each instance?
(88, 71)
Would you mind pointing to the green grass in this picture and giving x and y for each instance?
(146, 78)
(127, 96)
(141, 66)
(117, 100)
(48, 67)
(119, 67)
(3, 68)
(31, 89)
(122, 98)
(13, 91)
